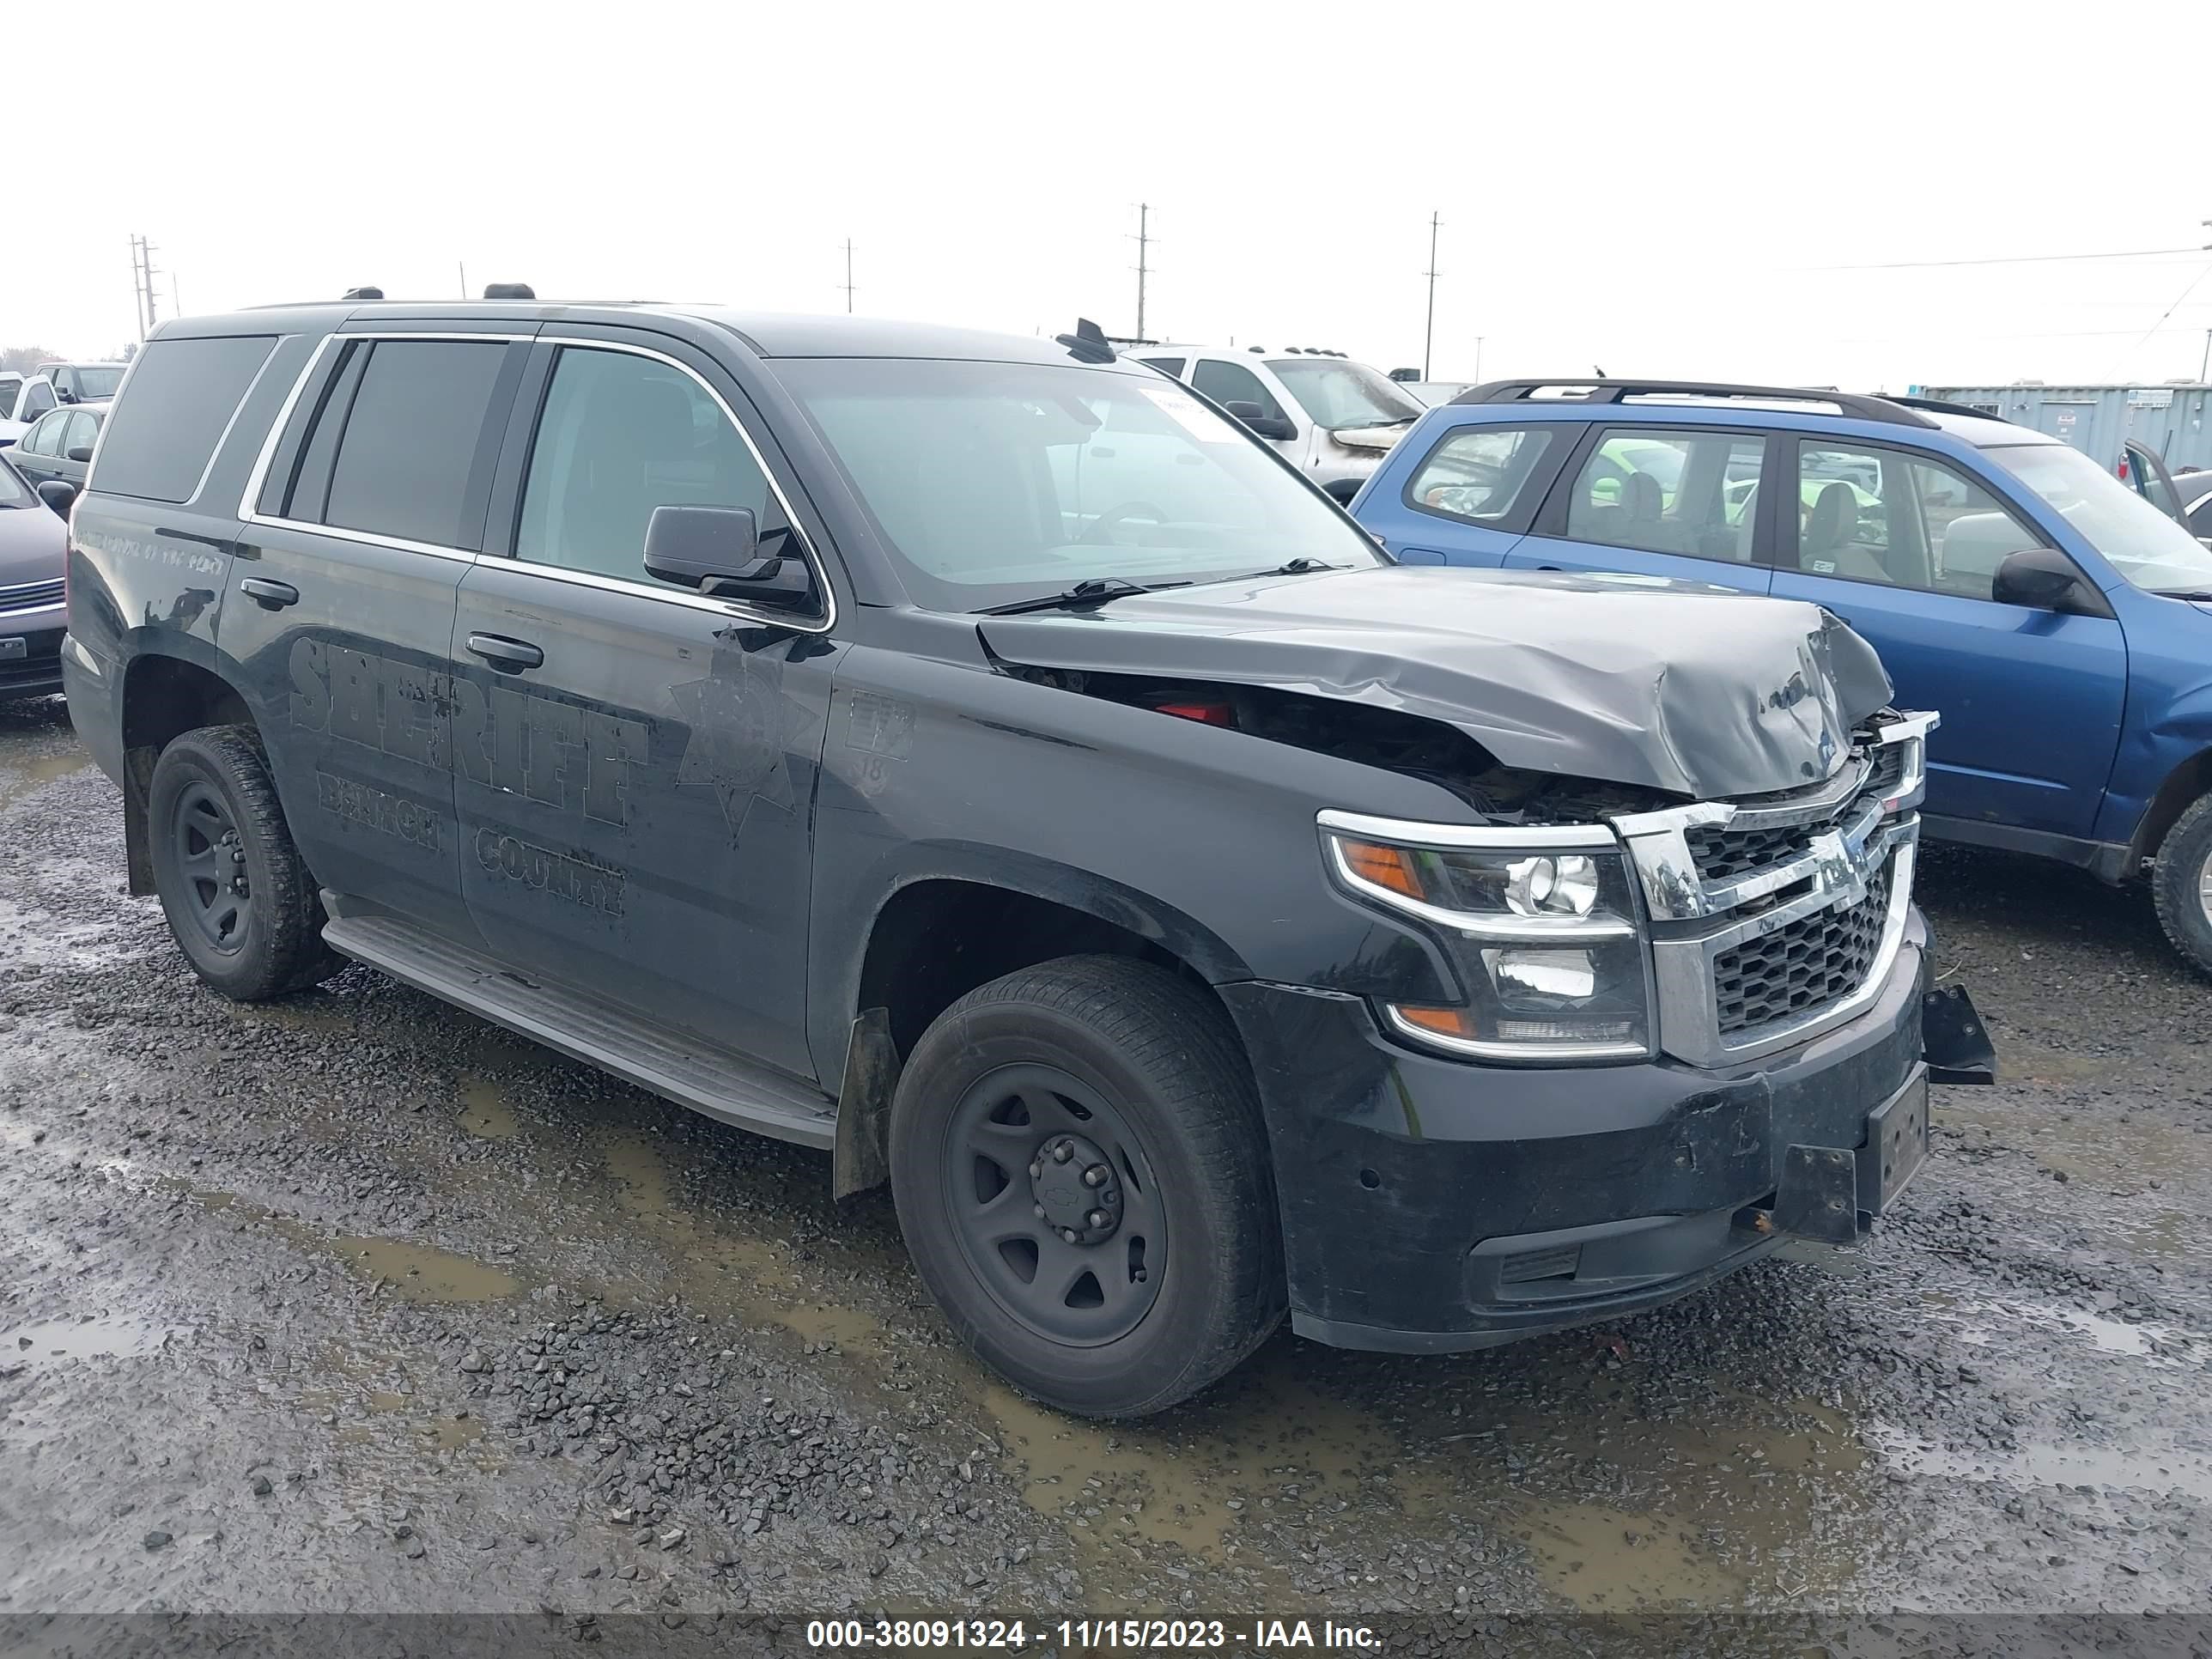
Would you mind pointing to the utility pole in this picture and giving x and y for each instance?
(1478, 359)
(462, 265)
(848, 276)
(1144, 267)
(2206, 363)
(1429, 335)
(142, 273)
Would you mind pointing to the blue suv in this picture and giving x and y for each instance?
(2056, 619)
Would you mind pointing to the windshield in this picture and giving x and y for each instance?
(92, 385)
(993, 483)
(13, 490)
(1336, 394)
(2147, 548)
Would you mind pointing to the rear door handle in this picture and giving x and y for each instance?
(511, 656)
(269, 596)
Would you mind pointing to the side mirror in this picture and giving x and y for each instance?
(1260, 423)
(716, 550)
(63, 395)
(2042, 578)
(79, 452)
(59, 494)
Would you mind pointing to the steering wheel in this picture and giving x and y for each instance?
(1104, 526)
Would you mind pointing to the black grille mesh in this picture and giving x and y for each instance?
(1810, 963)
(1724, 855)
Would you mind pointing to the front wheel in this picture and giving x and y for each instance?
(2181, 882)
(1081, 1175)
(241, 903)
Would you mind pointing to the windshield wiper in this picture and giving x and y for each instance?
(1092, 590)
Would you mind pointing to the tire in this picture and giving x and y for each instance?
(1141, 1080)
(2179, 884)
(212, 821)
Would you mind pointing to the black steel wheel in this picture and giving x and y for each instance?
(241, 905)
(1081, 1174)
(209, 857)
(1056, 1204)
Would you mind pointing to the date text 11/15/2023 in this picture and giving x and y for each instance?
(1133, 1635)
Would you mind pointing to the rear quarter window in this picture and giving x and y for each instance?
(164, 430)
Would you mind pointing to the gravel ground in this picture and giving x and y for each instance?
(355, 1302)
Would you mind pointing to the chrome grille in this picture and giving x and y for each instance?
(1798, 969)
(30, 596)
(1777, 917)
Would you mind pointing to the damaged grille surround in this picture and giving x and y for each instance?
(1829, 851)
(1768, 920)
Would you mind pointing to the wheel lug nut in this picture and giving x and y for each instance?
(1094, 1176)
(1062, 1153)
(1098, 1217)
(1036, 1169)
(1039, 1208)
(1069, 1234)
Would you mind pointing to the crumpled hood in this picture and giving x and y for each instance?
(1677, 686)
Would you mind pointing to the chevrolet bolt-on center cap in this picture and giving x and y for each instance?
(1075, 1192)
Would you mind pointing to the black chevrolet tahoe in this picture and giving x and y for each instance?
(983, 760)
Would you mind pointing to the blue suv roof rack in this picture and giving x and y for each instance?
(1892, 410)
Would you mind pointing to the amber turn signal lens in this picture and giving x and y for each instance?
(1442, 1022)
(1386, 866)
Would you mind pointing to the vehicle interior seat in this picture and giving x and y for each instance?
(1827, 546)
(1972, 548)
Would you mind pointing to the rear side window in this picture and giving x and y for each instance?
(1690, 493)
(411, 460)
(183, 393)
(37, 400)
(1165, 365)
(1481, 473)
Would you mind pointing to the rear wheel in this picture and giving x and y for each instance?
(1081, 1175)
(241, 904)
(2182, 883)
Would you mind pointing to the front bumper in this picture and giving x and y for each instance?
(1430, 1204)
(30, 652)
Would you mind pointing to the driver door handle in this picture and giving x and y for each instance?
(509, 656)
(269, 595)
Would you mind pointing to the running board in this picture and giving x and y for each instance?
(681, 1068)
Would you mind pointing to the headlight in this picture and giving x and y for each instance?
(1541, 924)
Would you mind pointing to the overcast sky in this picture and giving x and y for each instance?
(1677, 189)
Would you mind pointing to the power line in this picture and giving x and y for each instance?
(2007, 259)
(2176, 306)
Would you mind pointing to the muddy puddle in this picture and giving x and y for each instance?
(22, 778)
(2162, 1469)
(485, 1110)
(1984, 1320)
(96, 1336)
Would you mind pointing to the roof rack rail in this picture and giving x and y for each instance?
(1945, 406)
(1890, 410)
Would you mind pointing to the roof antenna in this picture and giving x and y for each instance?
(362, 294)
(1601, 372)
(508, 291)
(1087, 345)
